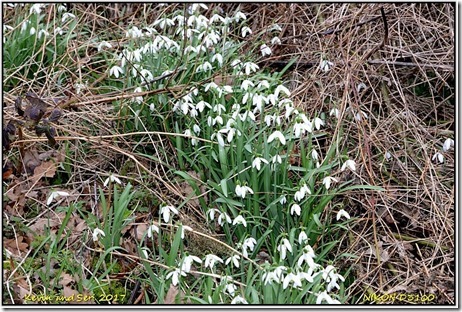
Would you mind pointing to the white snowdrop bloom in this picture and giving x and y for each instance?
(230, 289)
(275, 41)
(275, 27)
(166, 210)
(438, 156)
(257, 162)
(361, 86)
(164, 22)
(448, 143)
(58, 31)
(350, 164)
(104, 44)
(283, 200)
(43, 32)
(387, 155)
(66, 16)
(291, 277)
(245, 85)
(277, 134)
(206, 66)
(115, 71)
(151, 229)
(174, 275)
(240, 220)
(32, 30)
(276, 159)
(97, 232)
(210, 261)
(302, 238)
(323, 296)
(250, 67)
(359, 116)
(238, 299)
(196, 129)
(222, 218)
(56, 194)
(269, 120)
(218, 58)
(234, 259)
(282, 88)
(248, 244)
(314, 154)
(211, 213)
(325, 66)
(327, 181)
(282, 248)
(263, 84)
(318, 122)
(239, 16)
(289, 110)
(265, 50)
(242, 191)
(335, 112)
(245, 30)
(342, 213)
(36, 8)
(221, 142)
(295, 209)
(112, 178)
(201, 105)
(307, 257)
(188, 261)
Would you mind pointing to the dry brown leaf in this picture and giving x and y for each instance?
(171, 295)
(31, 160)
(66, 279)
(46, 169)
(16, 246)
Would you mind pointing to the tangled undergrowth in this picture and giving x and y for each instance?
(211, 153)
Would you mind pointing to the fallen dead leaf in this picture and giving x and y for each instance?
(45, 169)
(16, 245)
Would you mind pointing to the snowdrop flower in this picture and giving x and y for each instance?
(206, 66)
(263, 84)
(361, 86)
(188, 261)
(234, 259)
(295, 209)
(245, 30)
(210, 261)
(222, 217)
(282, 88)
(300, 194)
(36, 8)
(335, 112)
(163, 22)
(241, 191)
(265, 50)
(245, 85)
(350, 164)
(201, 105)
(219, 58)
(104, 44)
(238, 16)
(277, 134)
(387, 155)
(151, 229)
(250, 67)
(66, 16)
(97, 232)
(291, 277)
(196, 128)
(174, 275)
(56, 194)
(189, 133)
(318, 122)
(324, 296)
(115, 71)
(248, 243)
(43, 32)
(275, 27)
(307, 257)
(165, 211)
(284, 247)
(314, 154)
(221, 142)
(257, 162)
(269, 278)
(325, 66)
(240, 220)
(137, 99)
(238, 300)
(211, 213)
(329, 275)
(359, 115)
(448, 144)
(327, 181)
(112, 178)
(24, 25)
(230, 289)
(342, 213)
(438, 156)
(275, 41)
(32, 30)
(283, 200)
(276, 159)
(184, 227)
(302, 238)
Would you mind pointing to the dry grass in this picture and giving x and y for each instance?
(404, 237)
